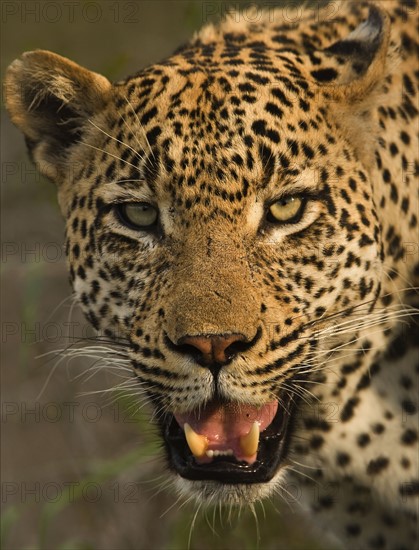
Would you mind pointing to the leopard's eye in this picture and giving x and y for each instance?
(286, 210)
(137, 215)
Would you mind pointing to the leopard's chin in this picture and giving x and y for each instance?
(214, 492)
(229, 448)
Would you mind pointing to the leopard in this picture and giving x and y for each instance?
(242, 222)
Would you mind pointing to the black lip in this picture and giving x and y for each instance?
(272, 451)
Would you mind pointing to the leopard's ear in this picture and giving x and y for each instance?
(50, 99)
(364, 55)
(366, 60)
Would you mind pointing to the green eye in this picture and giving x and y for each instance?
(137, 215)
(286, 210)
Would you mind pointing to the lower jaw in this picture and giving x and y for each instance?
(272, 451)
(213, 492)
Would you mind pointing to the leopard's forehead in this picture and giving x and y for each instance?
(202, 93)
(202, 131)
(239, 111)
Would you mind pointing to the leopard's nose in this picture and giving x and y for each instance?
(209, 350)
(213, 351)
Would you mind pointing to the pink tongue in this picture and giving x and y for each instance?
(223, 425)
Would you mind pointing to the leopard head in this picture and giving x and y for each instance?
(219, 214)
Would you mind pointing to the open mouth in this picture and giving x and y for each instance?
(229, 442)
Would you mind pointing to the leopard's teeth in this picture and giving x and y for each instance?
(198, 444)
(211, 453)
(249, 442)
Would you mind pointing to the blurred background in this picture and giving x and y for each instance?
(82, 468)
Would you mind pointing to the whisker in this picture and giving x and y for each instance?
(140, 125)
(116, 139)
(109, 154)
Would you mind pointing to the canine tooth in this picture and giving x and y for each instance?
(198, 444)
(249, 443)
(210, 453)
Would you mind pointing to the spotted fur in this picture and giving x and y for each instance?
(242, 115)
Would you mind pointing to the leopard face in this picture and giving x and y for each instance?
(225, 220)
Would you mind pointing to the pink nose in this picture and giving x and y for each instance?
(213, 349)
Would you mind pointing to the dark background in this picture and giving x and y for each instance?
(84, 471)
